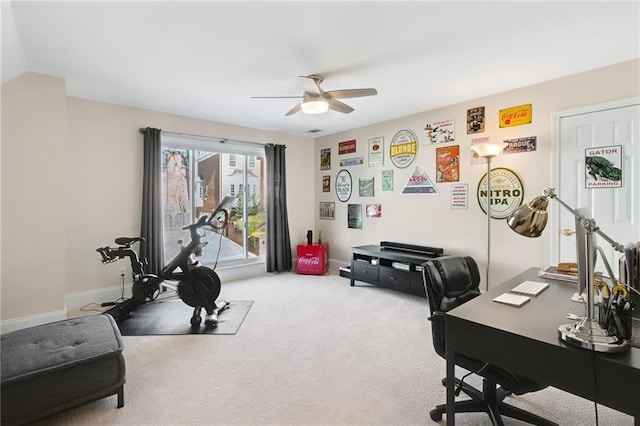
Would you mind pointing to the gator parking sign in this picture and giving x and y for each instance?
(603, 167)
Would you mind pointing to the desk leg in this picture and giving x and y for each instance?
(451, 397)
(353, 271)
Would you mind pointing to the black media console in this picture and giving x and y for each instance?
(392, 265)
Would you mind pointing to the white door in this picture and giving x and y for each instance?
(615, 210)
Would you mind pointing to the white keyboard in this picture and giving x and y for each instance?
(532, 288)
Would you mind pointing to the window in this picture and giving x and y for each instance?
(197, 173)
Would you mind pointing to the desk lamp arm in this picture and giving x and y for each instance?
(589, 224)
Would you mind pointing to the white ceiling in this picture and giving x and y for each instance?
(206, 59)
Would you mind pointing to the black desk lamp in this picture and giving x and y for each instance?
(530, 220)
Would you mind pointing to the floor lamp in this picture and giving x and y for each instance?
(487, 151)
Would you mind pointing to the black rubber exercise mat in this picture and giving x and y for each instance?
(173, 316)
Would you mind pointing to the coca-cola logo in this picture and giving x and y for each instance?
(515, 116)
(309, 260)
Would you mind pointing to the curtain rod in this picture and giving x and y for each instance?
(142, 130)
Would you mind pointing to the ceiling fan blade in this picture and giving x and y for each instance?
(351, 93)
(293, 110)
(339, 106)
(276, 97)
(311, 84)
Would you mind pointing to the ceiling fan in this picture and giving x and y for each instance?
(317, 101)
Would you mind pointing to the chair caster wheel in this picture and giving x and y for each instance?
(196, 320)
(436, 415)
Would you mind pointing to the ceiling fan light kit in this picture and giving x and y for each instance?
(314, 107)
(317, 101)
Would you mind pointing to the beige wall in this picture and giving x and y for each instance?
(34, 192)
(428, 219)
(90, 156)
(71, 182)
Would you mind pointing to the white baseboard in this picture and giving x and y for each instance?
(72, 301)
(31, 320)
(75, 301)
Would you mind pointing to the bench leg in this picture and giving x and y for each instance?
(121, 397)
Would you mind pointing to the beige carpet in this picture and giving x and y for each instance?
(311, 351)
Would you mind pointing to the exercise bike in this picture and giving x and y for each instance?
(197, 286)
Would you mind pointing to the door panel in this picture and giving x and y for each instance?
(616, 210)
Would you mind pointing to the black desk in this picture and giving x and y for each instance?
(525, 341)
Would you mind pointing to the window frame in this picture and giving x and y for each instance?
(223, 146)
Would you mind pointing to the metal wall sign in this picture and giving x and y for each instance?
(526, 144)
(344, 185)
(403, 148)
(515, 116)
(603, 167)
(507, 192)
(419, 183)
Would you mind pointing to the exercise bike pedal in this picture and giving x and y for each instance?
(211, 320)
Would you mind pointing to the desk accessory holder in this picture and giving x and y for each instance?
(530, 220)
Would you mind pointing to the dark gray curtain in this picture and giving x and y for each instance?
(151, 226)
(278, 241)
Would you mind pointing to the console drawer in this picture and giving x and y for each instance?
(363, 271)
(395, 278)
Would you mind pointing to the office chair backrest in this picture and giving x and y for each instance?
(449, 282)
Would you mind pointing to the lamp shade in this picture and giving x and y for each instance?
(530, 219)
(314, 106)
(487, 149)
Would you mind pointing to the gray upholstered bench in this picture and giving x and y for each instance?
(53, 367)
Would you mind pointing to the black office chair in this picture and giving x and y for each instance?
(449, 282)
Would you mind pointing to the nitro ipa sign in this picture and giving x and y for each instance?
(507, 192)
(515, 116)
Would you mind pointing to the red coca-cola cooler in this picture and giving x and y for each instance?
(313, 259)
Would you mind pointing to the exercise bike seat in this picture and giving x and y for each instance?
(127, 241)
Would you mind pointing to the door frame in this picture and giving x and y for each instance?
(554, 214)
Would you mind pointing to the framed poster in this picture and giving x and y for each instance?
(376, 152)
(325, 159)
(343, 185)
(448, 164)
(354, 216)
(387, 180)
(440, 131)
(475, 120)
(326, 183)
(327, 210)
(603, 167)
(374, 210)
(366, 187)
